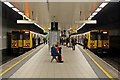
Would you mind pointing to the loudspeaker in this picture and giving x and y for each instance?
(54, 26)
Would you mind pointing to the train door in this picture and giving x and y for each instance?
(105, 41)
(20, 43)
(93, 40)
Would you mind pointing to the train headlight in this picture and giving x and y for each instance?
(92, 44)
(14, 44)
(27, 45)
(105, 45)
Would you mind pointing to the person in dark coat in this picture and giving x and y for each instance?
(39, 41)
(73, 43)
(85, 42)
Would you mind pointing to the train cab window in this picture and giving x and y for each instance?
(15, 35)
(26, 36)
(93, 35)
(104, 36)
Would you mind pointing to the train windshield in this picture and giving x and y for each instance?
(93, 35)
(26, 36)
(104, 36)
(15, 35)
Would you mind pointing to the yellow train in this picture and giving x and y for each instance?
(98, 40)
(16, 41)
(24, 40)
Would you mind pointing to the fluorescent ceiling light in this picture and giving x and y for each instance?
(103, 5)
(90, 18)
(98, 9)
(8, 4)
(91, 22)
(15, 9)
(38, 26)
(27, 18)
(81, 26)
(108, 0)
(94, 13)
(20, 13)
(24, 22)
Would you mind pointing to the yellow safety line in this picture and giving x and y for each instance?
(5, 71)
(106, 73)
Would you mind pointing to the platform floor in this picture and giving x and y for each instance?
(39, 66)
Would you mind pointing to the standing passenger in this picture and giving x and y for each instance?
(53, 53)
(85, 42)
(59, 49)
(73, 43)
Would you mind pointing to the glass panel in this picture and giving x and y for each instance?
(26, 36)
(104, 37)
(15, 35)
(93, 35)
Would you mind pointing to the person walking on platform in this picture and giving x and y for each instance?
(53, 53)
(73, 43)
(85, 42)
(67, 41)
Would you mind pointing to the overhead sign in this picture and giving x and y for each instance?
(87, 21)
(24, 22)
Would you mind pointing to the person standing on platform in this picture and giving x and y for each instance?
(59, 49)
(54, 53)
(39, 41)
(44, 40)
(73, 43)
(67, 42)
(85, 42)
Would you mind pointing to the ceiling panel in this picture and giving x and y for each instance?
(66, 13)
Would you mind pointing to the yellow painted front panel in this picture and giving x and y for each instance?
(100, 43)
(20, 43)
(31, 40)
(12, 43)
(106, 42)
(25, 42)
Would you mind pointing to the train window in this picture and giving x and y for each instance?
(104, 36)
(15, 35)
(26, 36)
(93, 35)
(99, 37)
(20, 36)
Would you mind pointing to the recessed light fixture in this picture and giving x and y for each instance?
(8, 4)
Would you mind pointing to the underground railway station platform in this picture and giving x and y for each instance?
(87, 31)
(79, 64)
